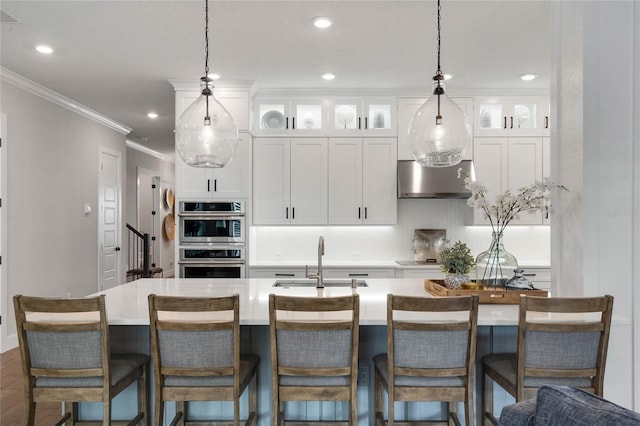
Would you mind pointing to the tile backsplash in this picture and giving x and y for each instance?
(529, 244)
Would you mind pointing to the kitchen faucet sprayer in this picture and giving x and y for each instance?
(318, 275)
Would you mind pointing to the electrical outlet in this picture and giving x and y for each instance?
(363, 375)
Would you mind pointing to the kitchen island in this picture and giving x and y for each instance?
(127, 313)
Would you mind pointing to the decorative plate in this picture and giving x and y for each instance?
(169, 227)
(273, 120)
(168, 198)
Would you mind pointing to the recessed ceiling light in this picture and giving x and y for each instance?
(328, 76)
(214, 76)
(152, 115)
(448, 76)
(528, 76)
(44, 49)
(322, 22)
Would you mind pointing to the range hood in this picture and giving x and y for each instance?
(415, 181)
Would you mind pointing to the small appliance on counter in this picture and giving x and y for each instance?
(426, 243)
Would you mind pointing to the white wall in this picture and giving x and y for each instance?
(595, 235)
(52, 158)
(166, 171)
(530, 244)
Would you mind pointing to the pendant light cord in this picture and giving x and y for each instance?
(439, 71)
(206, 91)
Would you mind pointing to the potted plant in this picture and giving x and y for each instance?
(456, 262)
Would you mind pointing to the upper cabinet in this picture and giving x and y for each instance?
(278, 116)
(290, 181)
(231, 181)
(228, 182)
(362, 181)
(363, 116)
(526, 116)
(407, 108)
(324, 116)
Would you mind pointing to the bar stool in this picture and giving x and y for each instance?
(429, 357)
(64, 345)
(195, 343)
(551, 351)
(314, 351)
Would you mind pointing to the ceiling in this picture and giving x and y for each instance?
(116, 57)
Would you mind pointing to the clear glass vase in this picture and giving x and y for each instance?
(495, 265)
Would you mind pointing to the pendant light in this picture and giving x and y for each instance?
(439, 132)
(206, 135)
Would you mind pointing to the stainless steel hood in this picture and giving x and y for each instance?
(415, 181)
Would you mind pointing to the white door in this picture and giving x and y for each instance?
(271, 181)
(309, 187)
(109, 219)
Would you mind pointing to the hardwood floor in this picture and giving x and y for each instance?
(12, 395)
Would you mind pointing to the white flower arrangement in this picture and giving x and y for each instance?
(508, 206)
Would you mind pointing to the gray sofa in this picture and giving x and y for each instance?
(562, 405)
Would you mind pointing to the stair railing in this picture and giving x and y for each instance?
(135, 240)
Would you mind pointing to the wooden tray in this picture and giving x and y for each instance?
(488, 295)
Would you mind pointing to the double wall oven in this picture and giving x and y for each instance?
(212, 239)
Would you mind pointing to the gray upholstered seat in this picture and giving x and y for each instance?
(196, 352)
(64, 345)
(314, 357)
(551, 351)
(427, 359)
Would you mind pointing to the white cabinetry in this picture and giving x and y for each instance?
(359, 273)
(362, 181)
(507, 163)
(290, 181)
(278, 116)
(231, 181)
(430, 273)
(540, 277)
(283, 272)
(228, 182)
(510, 116)
(368, 116)
(407, 107)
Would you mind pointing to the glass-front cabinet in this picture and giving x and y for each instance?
(372, 116)
(285, 116)
(510, 116)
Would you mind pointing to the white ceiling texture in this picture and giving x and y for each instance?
(116, 57)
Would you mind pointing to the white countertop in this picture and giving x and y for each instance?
(127, 303)
(369, 264)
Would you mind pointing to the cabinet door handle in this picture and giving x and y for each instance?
(353, 274)
(359, 212)
(366, 122)
(215, 185)
(293, 212)
(293, 123)
(282, 274)
(546, 122)
(528, 275)
(505, 122)
(286, 213)
(359, 123)
(511, 122)
(208, 185)
(286, 125)
(365, 212)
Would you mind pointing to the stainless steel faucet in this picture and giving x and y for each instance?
(318, 275)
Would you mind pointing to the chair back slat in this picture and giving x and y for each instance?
(64, 338)
(554, 351)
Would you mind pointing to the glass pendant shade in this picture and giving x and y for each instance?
(206, 135)
(439, 133)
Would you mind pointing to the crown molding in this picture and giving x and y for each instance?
(139, 147)
(37, 89)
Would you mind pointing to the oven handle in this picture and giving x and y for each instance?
(208, 215)
(212, 262)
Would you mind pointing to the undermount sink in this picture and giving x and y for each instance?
(314, 283)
